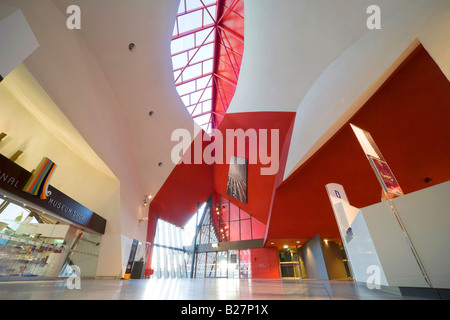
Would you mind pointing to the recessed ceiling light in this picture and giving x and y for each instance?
(131, 46)
(151, 113)
(160, 164)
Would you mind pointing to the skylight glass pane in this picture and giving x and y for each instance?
(182, 44)
(186, 88)
(192, 72)
(213, 11)
(179, 61)
(195, 97)
(203, 82)
(201, 120)
(190, 21)
(208, 66)
(207, 106)
(207, 95)
(175, 30)
(208, 2)
(209, 16)
(197, 111)
(193, 4)
(201, 35)
(176, 75)
(186, 100)
(203, 53)
(181, 8)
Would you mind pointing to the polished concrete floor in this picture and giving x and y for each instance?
(192, 289)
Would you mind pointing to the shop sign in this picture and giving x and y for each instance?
(13, 178)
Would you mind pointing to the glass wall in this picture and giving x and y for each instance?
(36, 244)
(169, 259)
(223, 264)
(173, 249)
(227, 222)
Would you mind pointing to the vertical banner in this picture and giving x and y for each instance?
(384, 174)
(131, 259)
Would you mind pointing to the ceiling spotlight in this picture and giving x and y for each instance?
(160, 164)
(147, 197)
(131, 46)
(151, 113)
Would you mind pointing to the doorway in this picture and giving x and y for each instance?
(289, 263)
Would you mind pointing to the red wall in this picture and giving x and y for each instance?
(265, 264)
(260, 188)
(186, 186)
(408, 119)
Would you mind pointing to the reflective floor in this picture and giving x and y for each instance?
(192, 289)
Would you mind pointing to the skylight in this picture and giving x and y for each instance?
(207, 47)
(192, 49)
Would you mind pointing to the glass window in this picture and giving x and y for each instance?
(190, 21)
(36, 244)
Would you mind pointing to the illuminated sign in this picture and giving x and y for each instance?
(379, 165)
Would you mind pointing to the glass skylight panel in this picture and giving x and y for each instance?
(192, 72)
(186, 88)
(195, 96)
(204, 82)
(184, 43)
(204, 53)
(203, 119)
(179, 61)
(204, 36)
(207, 106)
(190, 21)
(193, 47)
(208, 66)
(186, 100)
(193, 4)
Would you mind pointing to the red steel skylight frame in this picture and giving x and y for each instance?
(208, 93)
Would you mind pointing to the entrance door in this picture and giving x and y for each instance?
(217, 264)
(289, 263)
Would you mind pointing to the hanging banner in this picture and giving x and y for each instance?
(384, 174)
